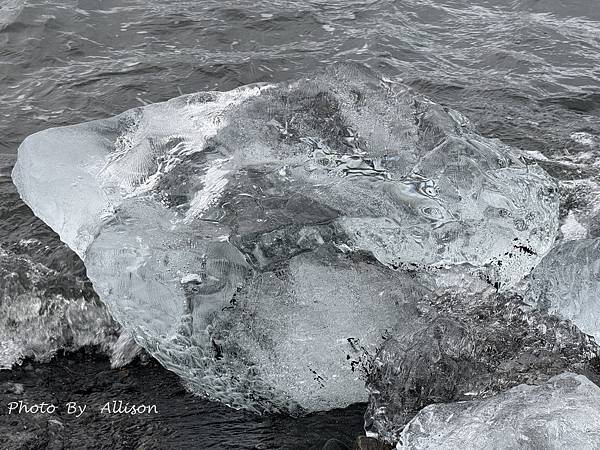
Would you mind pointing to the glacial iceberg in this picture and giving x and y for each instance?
(261, 242)
(562, 413)
(566, 283)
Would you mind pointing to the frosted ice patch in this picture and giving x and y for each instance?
(214, 182)
(571, 229)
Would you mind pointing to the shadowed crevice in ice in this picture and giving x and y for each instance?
(261, 242)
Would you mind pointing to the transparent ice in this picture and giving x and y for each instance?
(261, 242)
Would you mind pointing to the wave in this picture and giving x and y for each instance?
(36, 321)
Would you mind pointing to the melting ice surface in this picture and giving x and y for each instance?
(259, 242)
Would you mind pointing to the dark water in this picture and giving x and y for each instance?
(524, 71)
(183, 422)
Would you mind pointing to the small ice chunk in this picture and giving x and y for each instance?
(562, 413)
(567, 283)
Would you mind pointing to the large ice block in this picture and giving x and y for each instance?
(259, 242)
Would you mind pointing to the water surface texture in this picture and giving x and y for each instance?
(524, 71)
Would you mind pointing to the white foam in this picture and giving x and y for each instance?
(583, 138)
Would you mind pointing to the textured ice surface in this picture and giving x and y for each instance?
(463, 348)
(567, 283)
(259, 242)
(562, 413)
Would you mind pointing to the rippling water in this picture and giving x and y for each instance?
(524, 71)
